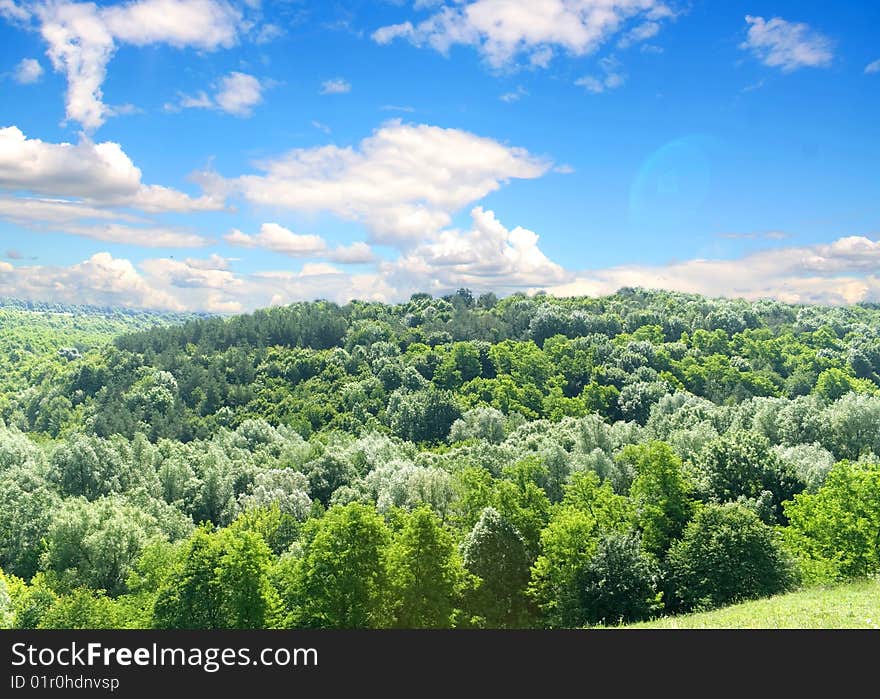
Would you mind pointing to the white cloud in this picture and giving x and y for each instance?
(190, 284)
(99, 173)
(873, 67)
(612, 77)
(154, 199)
(203, 24)
(82, 38)
(212, 273)
(277, 238)
(100, 280)
(31, 211)
(268, 33)
(239, 93)
(198, 101)
(28, 71)
(404, 181)
(354, 254)
(841, 272)
(9, 10)
(146, 236)
(322, 127)
(236, 93)
(514, 95)
(488, 257)
(388, 33)
(638, 34)
(787, 45)
(502, 29)
(336, 86)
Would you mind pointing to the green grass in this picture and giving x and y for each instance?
(852, 606)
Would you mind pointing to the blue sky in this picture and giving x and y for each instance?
(206, 155)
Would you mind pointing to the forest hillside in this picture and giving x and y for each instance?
(444, 462)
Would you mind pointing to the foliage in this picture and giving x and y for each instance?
(341, 578)
(495, 552)
(619, 582)
(727, 555)
(445, 461)
(425, 572)
(836, 531)
(220, 582)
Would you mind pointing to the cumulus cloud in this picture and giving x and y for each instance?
(87, 189)
(356, 253)
(488, 257)
(28, 71)
(280, 239)
(873, 67)
(82, 38)
(403, 181)
(98, 173)
(235, 93)
(239, 93)
(101, 280)
(206, 284)
(503, 29)
(203, 24)
(277, 238)
(843, 271)
(787, 45)
(212, 273)
(336, 86)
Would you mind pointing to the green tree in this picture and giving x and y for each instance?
(618, 583)
(192, 598)
(661, 495)
(341, 579)
(82, 608)
(496, 553)
(833, 383)
(726, 555)
(94, 544)
(425, 572)
(740, 464)
(521, 501)
(567, 545)
(26, 505)
(248, 599)
(422, 416)
(835, 532)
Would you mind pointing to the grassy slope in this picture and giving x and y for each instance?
(852, 606)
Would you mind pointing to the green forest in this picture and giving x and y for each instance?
(456, 461)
